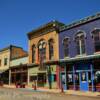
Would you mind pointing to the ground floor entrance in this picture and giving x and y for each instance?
(81, 75)
(41, 79)
(78, 80)
(19, 75)
(4, 77)
(47, 78)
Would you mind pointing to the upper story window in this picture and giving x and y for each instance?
(33, 53)
(80, 43)
(42, 50)
(5, 61)
(66, 47)
(51, 49)
(96, 38)
(0, 62)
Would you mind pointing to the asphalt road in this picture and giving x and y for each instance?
(25, 94)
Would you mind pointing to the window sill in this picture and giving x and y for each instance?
(97, 53)
(66, 57)
(82, 55)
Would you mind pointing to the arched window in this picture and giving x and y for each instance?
(42, 50)
(33, 53)
(80, 43)
(51, 49)
(96, 38)
(66, 47)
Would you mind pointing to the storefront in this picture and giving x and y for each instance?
(19, 74)
(81, 74)
(44, 78)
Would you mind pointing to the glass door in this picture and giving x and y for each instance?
(84, 81)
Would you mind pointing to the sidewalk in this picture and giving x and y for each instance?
(82, 93)
(67, 92)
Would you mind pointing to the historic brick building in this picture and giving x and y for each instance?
(79, 53)
(44, 55)
(6, 56)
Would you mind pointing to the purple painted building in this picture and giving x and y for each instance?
(79, 53)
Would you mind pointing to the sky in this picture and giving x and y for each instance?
(18, 17)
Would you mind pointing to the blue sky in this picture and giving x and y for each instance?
(17, 17)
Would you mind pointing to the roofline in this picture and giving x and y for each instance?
(6, 48)
(10, 46)
(21, 57)
(53, 22)
(80, 22)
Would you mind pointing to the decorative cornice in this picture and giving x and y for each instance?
(83, 21)
(49, 27)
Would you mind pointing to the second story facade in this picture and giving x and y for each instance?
(9, 53)
(81, 38)
(4, 59)
(43, 43)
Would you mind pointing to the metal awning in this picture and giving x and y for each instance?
(81, 58)
(3, 70)
(42, 72)
(33, 74)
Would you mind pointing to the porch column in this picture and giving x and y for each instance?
(66, 76)
(28, 78)
(92, 77)
(9, 76)
(74, 77)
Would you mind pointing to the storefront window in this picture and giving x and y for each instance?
(83, 76)
(55, 78)
(70, 79)
(32, 78)
(97, 77)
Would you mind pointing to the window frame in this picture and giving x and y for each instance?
(5, 61)
(80, 42)
(66, 47)
(51, 49)
(33, 55)
(0, 62)
(42, 50)
(96, 39)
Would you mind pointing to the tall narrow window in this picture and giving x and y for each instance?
(96, 38)
(66, 47)
(80, 43)
(0, 62)
(51, 49)
(42, 50)
(5, 61)
(33, 53)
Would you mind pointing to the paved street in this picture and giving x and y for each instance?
(25, 94)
